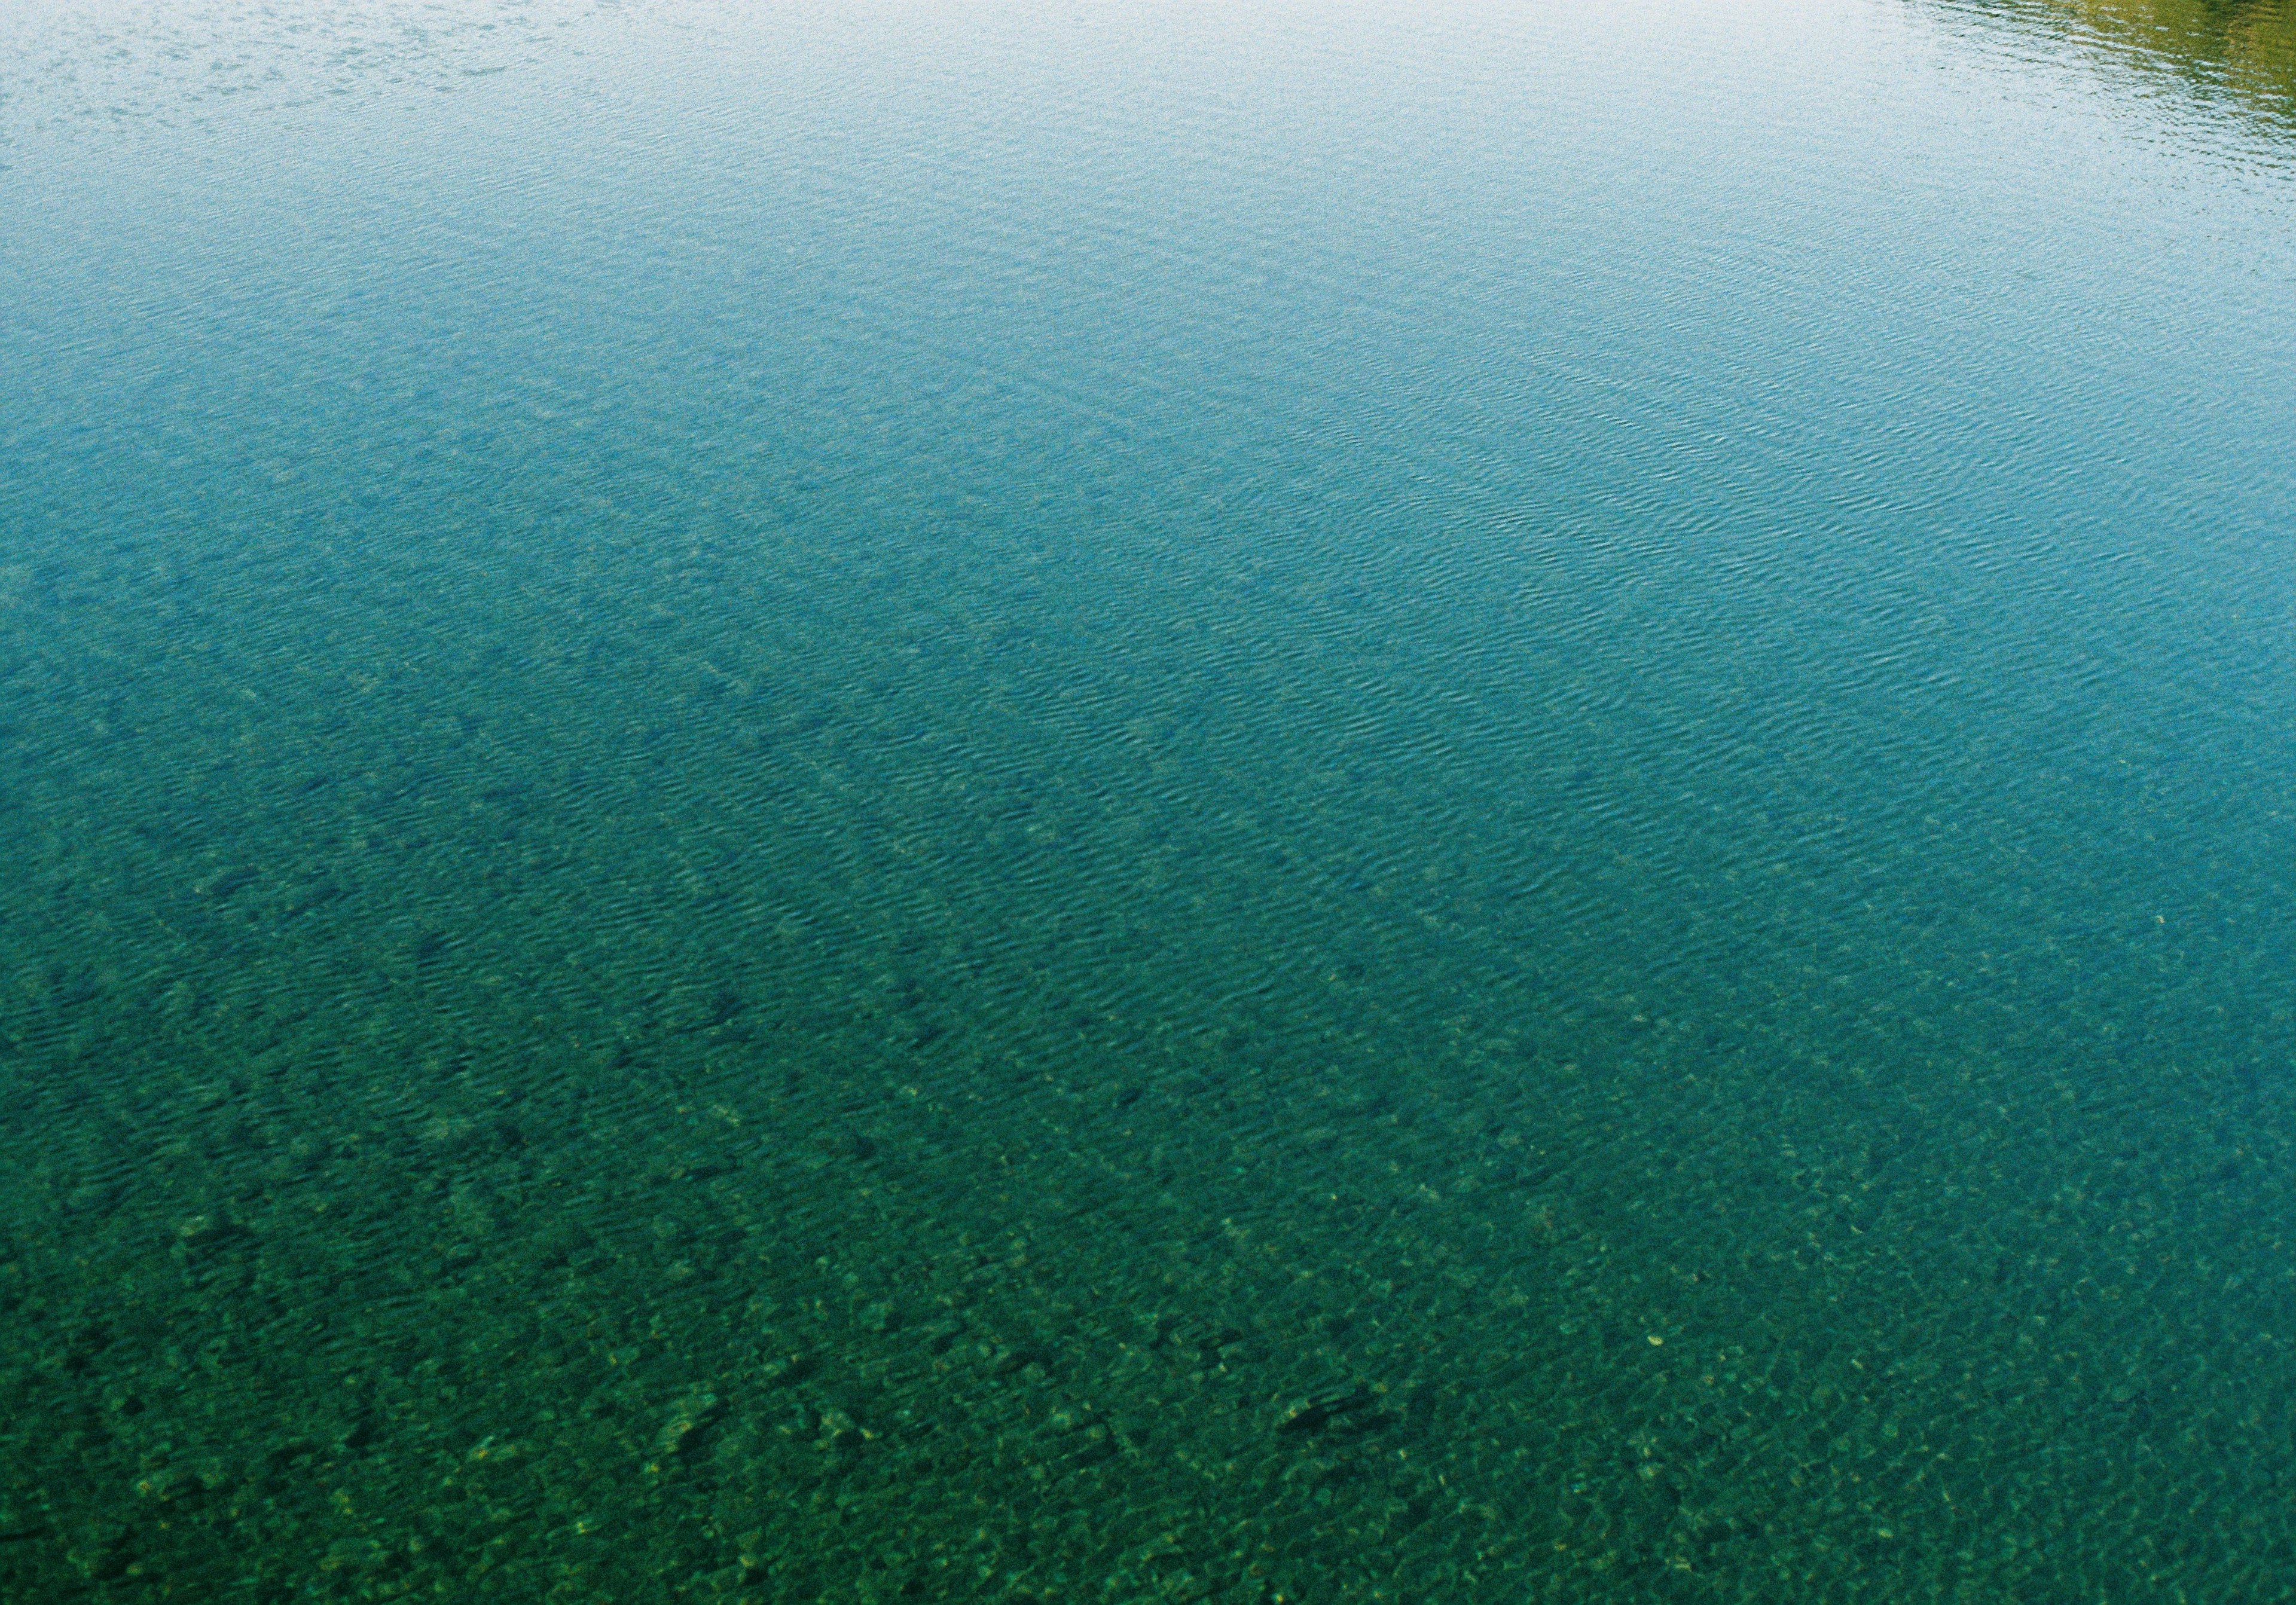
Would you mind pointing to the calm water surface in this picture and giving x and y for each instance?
(1307, 802)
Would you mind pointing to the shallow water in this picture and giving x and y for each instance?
(1140, 804)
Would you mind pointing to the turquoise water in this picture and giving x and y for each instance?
(1147, 803)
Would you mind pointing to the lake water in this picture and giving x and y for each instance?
(1277, 803)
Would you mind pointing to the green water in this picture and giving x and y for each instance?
(1147, 803)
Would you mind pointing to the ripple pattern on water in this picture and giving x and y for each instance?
(1145, 806)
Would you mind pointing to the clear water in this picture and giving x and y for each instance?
(1091, 803)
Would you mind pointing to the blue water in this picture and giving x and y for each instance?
(1148, 803)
